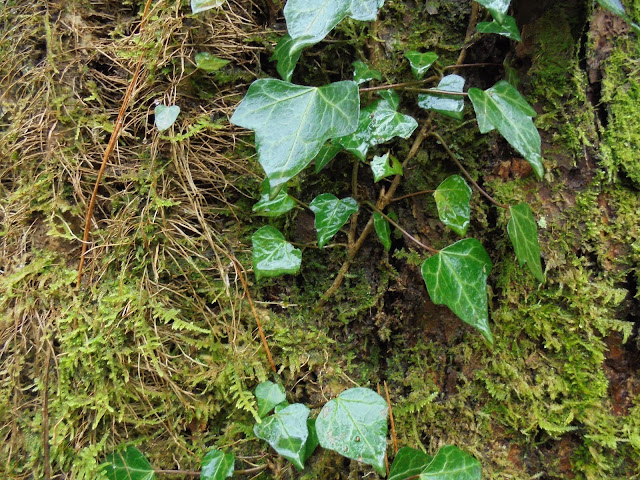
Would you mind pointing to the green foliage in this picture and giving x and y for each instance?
(217, 465)
(273, 255)
(331, 214)
(446, 105)
(507, 28)
(523, 232)
(129, 464)
(198, 6)
(407, 463)
(273, 207)
(381, 225)
(453, 198)
(269, 395)
(420, 62)
(209, 63)
(166, 116)
(497, 8)
(385, 166)
(363, 73)
(450, 463)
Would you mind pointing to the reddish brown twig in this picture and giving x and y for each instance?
(394, 438)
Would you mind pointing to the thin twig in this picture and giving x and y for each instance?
(473, 21)
(397, 86)
(404, 232)
(186, 473)
(409, 195)
(435, 91)
(45, 417)
(394, 438)
(472, 65)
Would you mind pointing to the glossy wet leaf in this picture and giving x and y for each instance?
(451, 106)
(364, 73)
(269, 395)
(312, 440)
(616, 7)
(209, 63)
(273, 255)
(327, 153)
(408, 463)
(385, 166)
(217, 465)
(287, 53)
(331, 214)
(287, 433)
(420, 62)
(292, 122)
(129, 464)
(451, 463)
(166, 116)
(457, 277)
(508, 28)
(378, 123)
(497, 8)
(453, 198)
(273, 207)
(503, 108)
(202, 5)
(354, 424)
(381, 225)
(523, 232)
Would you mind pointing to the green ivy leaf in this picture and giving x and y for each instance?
(312, 440)
(378, 123)
(385, 166)
(217, 465)
(497, 8)
(292, 122)
(363, 73)
(273, 255)
(273, 207)
(502, 107)
(209, 63)
(452, 199)
(287, 53)
(420, 62)
(523, 232)
(287, 432)
(354, 424)
(409, 462)
(166, 116)
(446, 105)
(202, 5)
(507, 28)
(451, 463)
(129, 464)
(331, 214)
(616, 7)
(327, 153)
(269, 395)
(383, 230)
(457, 277)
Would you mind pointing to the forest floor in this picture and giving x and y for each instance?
(158, 348)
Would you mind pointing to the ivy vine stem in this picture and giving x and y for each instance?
(399, 86)
(436, 91)
(414, 194)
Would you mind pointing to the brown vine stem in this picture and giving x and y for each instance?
(113, 140)
(436, 91)
(414, 194)
(191, 473)
(471, 65)
(404, 232)
(394, 438)
(473, 21)
(396, 86)
(439, 138)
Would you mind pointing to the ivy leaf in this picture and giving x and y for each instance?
(420, 62)
(451, 463)
(457, 277)
(507, 28)
(287, 433)
(331, 214)
(269, 395)
(363, 73)
(273, 255)
(381, 167)
(616, 7)
(354, 424)
(378, 123)
(202, 5)
(217, 465)
(209, 63)
(166, 116)
(452, 199)
(497, 8)
(312, 440)
(383, 230)
(287, 53)
(446, 105)
(409, 462)
(502, 107)
(292, 122)
(273, 207)
(523, 232)
(327, 153)
(129, 464)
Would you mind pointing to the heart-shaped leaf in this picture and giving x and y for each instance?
(457, 277)
(523, 232)
(129, 464)
(354, 424)
(166, 116)
(273, 207)
(287, 53)
(331, 214)
(363, 73)
(385, 166)
(502, 107)
(383, 230)
(451, 106)
(379, 123)
(287, 432)
(292, 122)
(420, 62)
(273, 255)
(209, 63)
(616, 7)
(507, 28)
(409, 462)
(451, 463)
(453, 198)
(202, 5)
(497, 8)
(327, 153)
(269, 395)
(217, 465)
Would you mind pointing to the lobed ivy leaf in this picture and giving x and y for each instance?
(420, 62)
(381, 225)
(273, 255)
(453, 198)
(354, 424)
(202, 5)
(457, 277)
(446, 105)
(166, 116)
(497, 8)
(287, 53)
(287, 433)
(616, 7)
(451, 463)
(385, 166)
(209, 63)
(327, 153)
(364, 73)
(523, 232)
(507, 28)
(503, 108)
(408, 462)
(378, 123)
(331, 214)
(273, 207)
(217, 465)
(292, 122)
(129, 464)
(269, 395)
